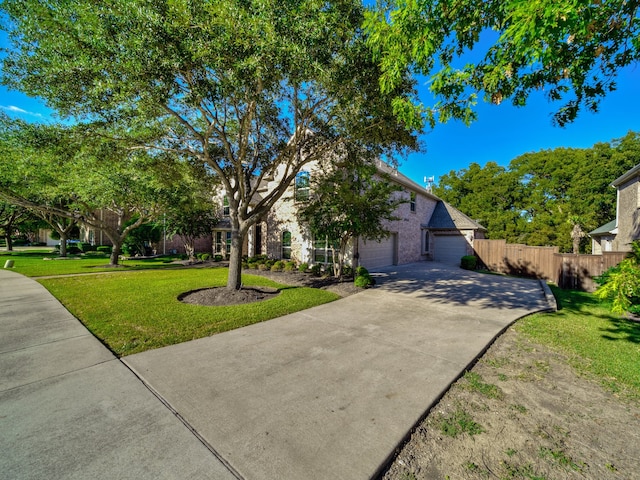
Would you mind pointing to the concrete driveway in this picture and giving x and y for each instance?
(331, 391)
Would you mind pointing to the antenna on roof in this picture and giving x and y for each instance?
(429, 181)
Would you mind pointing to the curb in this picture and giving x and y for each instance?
(548, 295)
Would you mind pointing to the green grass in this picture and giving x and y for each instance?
(38, 263)
(474, 382)
(597, 341)
(457, 423)
(134, 311)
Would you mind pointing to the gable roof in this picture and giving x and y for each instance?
(447, 217)
(605, 229)
(635, 171)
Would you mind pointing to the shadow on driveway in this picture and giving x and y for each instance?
(444, 284)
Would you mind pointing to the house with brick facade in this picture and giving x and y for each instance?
(427, 228)
(617, 235)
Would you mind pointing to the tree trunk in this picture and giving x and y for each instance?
(63, 243)
(8, 242)
(115, 253)
(234, 281)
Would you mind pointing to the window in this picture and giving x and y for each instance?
(225, 206)
(228, 243)
(302, 187)
(426, 242)
(286, 245)
(412, 201)
(218, 245)
(223, 243)
(322, 252)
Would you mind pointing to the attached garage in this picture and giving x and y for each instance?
(450, 249)
(378, 254)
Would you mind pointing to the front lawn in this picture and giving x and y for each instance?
(598, 342)
(38, 263)
(134, 311)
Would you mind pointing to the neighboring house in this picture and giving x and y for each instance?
(602, 238)
(427, 229)
(617, 235)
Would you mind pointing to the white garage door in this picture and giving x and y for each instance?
(378, 254)
(450, 249)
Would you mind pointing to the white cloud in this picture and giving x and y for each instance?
(14, 109)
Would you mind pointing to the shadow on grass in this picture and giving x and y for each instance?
(622, 329)
(587, 304)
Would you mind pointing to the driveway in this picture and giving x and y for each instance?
(331, 391)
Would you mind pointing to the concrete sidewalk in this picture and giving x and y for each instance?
(70, 410)
(330, 392)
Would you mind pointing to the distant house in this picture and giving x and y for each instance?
(617, 235)
(427, 229)
(602, 238)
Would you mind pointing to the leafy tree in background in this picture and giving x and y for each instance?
(354, 199)
(70, 177)
(192, 215)
(534, 200)
(247, 89)
(10, 217)
(570, 50)
(491, 195)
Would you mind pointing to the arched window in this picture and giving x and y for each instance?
(286, 245)
(426, 242)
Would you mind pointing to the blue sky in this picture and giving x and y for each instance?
(504, 132)
(500, 134)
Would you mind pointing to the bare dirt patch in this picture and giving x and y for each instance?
(523, 413)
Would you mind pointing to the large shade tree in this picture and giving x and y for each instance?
(246, 88)
(542, 196)
(69, 177)
(502, 50)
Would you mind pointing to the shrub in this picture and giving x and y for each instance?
(258, 259)
(93, 253)
(347, 271)
(204, 256)
(289, 266)
(217, 257)
(73, 250)
(277, 266)
(86, 247)
(316, 269)
(468, 262)
(364, 281)
(361, 271)
(363, 278)
(303, 267)
(621, 286)
(104, 249)
(263, 267)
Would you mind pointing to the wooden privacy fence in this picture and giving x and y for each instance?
(564, 269)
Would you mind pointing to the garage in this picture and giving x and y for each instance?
(450, 249)
(378, 254)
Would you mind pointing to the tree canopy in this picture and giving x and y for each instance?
(540, 197)
(69, 177)
(504, 50)
(243, 88)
